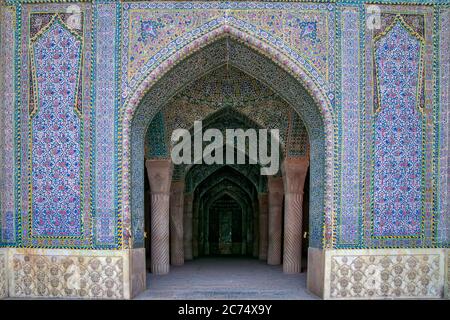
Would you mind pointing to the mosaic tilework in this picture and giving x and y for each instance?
(297, 144)
(30, 15)
(251, 63)
(422, 216)
(156, 143)
(268, 33)
(348, 223)
(198, 18)
(7, 101)
(226, 87)
(56, 133)
(443, 228)
(105, 219)
(151, 31)
(305, 29)
(398, 134)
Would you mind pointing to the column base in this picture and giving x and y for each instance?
(138, 272)
(292, 268)
(188, 256)
(274, 261)
(177, 262)
(315, 272)
(160, 269)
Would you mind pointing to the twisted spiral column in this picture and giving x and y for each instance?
(195, 229)
(187, 226)
(294, 174)
(263, 228)
(255, 251)
(275, 186)
(176, 224)
(159, 175)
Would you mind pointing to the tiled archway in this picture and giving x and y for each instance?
(264, 64)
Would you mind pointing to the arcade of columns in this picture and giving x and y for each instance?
(174, 231)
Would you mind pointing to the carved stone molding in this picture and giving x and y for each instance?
(384, 273)
(69, 274)
(159, 175)
(3, 274)
(447, 277)
(294, 172)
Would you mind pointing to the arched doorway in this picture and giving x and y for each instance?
(266, 71)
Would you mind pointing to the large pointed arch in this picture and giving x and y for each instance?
(264, 62)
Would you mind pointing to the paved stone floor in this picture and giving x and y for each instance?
(226, 278)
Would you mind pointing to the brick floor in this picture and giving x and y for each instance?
(226, 278)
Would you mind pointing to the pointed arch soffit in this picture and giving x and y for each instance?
(214, 180)
(241, 121)
(252, 172)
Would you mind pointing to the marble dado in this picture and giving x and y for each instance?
(85, 274)
(334, 274)
(447, 283)
(385, 273)
(3, 273)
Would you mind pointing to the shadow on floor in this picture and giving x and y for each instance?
(226, 278)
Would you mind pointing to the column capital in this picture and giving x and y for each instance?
(263, 199)
(275, 185)
(294, 172)
(159, 175)
(177, 187)
(276, 191)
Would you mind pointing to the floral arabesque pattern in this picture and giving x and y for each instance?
(398, 135)
(56, 134)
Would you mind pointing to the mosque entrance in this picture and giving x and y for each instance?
(224, 210)
(207, 216)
